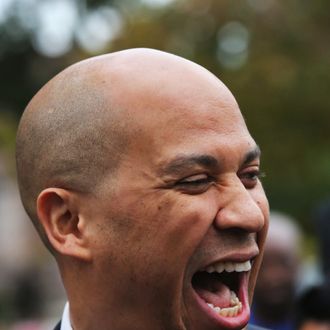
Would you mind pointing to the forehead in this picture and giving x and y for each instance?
(181, 108)
(165, 87)
(194, 129)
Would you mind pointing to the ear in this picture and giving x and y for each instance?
(59, 214)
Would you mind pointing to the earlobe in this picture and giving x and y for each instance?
(58, 213)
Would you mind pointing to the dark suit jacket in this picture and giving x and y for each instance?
(255, 327)
(249, 327)
(58, 326)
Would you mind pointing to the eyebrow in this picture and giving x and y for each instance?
(183, 163)
(186, 162)
(251, 155)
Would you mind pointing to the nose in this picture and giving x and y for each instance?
(239, 210)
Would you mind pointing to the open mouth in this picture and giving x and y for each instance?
(221, 286)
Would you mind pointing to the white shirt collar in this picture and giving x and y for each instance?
(65, 323)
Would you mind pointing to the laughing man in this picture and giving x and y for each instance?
(141, 177)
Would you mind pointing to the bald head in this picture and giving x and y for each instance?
(77, 127)
(62, 140)
(123, 158)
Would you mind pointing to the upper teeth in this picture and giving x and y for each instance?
(229, 266)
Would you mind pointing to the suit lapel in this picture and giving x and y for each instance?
(58, 326)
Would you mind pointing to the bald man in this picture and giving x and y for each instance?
(139, 173)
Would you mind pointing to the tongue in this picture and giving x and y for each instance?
(219, 298)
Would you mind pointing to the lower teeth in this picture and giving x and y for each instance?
(234, 309)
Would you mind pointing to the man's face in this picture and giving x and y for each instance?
(176, 229)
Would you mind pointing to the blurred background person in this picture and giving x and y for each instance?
(321, 221)
(275, 293)
(313, 308)
(313, 304)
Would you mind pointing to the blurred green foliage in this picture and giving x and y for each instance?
(281, 77)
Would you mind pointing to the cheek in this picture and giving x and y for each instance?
(183, 221)
(149, 232)
(169, 225)
(260, 199)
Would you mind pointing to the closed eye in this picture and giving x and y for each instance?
(195, 184)
(250, 177)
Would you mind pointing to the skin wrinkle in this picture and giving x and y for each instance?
(183, 163)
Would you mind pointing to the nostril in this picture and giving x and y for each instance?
(241, 208)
